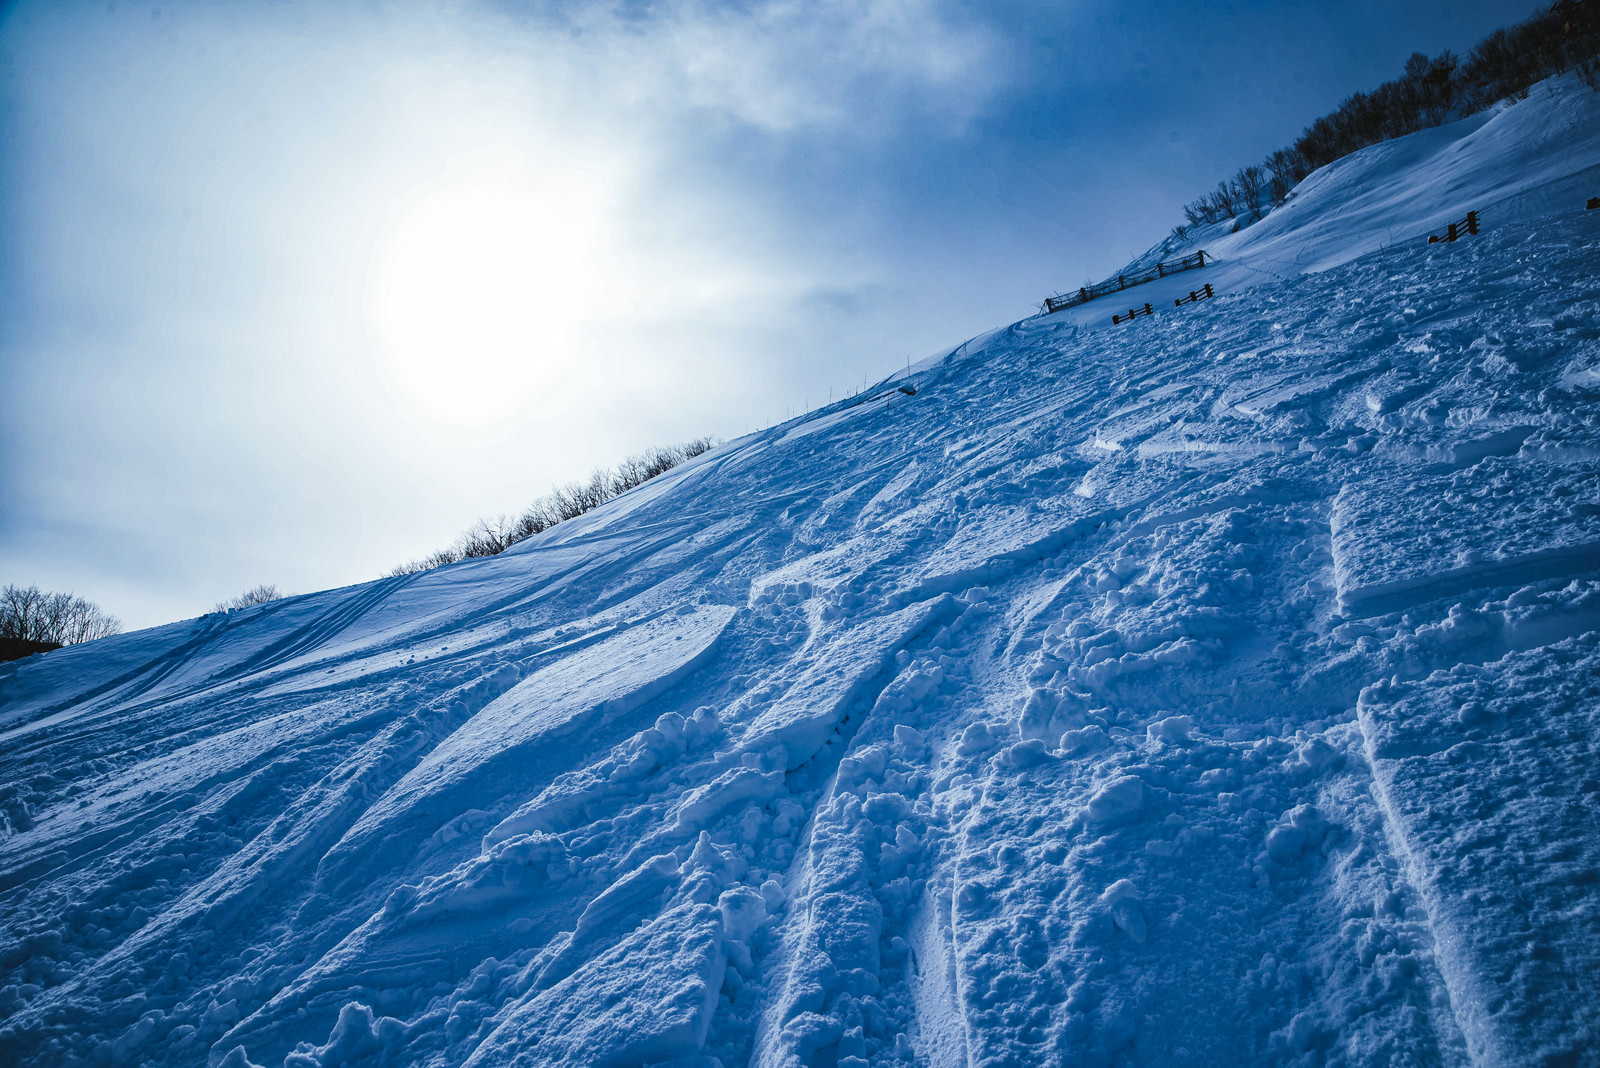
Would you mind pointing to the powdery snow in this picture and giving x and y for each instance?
(1222, 688)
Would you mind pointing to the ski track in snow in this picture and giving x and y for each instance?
(1223, 688)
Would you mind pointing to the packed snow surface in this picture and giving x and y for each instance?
(1222, 688)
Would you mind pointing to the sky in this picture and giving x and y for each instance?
(294, 292)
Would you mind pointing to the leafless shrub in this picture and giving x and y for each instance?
(489, 537)
(426, 563)
(255, 595)
(699, 446)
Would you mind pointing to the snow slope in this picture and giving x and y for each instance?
(1513, 162)
(1223, 688)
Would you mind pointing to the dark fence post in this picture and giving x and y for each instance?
(1472, 222)
(1450, 235)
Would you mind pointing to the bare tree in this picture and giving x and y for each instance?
(567, 501)
(540, 516)
(29, 614)
(488, 537)
(629, 473)
(1249, 182)
(253, 596)
(1437, 87)
(1222, 202)
(1286, 167)
(597, 490)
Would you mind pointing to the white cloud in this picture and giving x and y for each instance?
(784, 64)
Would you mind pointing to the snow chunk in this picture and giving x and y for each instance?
(237, 1058)
(1084, 740)
(977, 738)
(744, 912)
(1028, 753)
(908, 742)
(1118, 801)
(1301, 830)
(1121, 899)
(358, 1035)
(1173, 730)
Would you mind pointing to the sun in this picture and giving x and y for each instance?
(480, 292)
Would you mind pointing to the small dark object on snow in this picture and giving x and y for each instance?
(17, 648)
(1594, 202)
(909, 391)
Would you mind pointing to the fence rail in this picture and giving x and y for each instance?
(1085, 294)
(1469, 225)
(1132, 313)
(1203, 293)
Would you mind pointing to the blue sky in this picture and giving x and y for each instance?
(294, 292)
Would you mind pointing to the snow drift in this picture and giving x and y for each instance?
(1222, 688)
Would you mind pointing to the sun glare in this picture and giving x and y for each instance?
(481, 291)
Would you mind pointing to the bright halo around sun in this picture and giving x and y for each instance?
(481, 291)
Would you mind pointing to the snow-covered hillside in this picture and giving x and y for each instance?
(1220, 688)
(1514, 162)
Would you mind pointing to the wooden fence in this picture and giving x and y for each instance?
(1132, 312)
(1203, 293)
(1469, 225)
(1123, 281)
